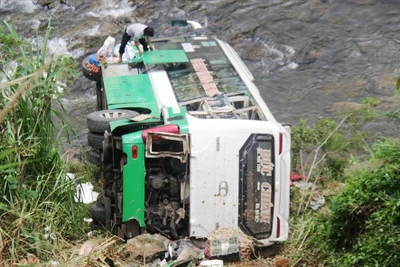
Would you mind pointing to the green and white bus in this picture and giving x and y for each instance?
(188, 145)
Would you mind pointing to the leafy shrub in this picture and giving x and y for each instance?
(365, 223)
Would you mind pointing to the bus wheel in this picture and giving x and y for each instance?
(95, 140)
(94, 157)
(99, 121)
(129, 230)
(97, 212)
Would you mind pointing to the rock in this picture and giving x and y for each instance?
(147, 246)
(344, 107)
(254, 51)
(392, 101)
(44, 2)
(49, 3)
(88, 247)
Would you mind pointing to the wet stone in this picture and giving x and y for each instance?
(49, 3)
(348, 106)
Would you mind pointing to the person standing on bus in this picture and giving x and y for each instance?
(141, 34)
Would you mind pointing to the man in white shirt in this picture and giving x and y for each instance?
(141, 34)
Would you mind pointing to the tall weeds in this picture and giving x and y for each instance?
(37, 208)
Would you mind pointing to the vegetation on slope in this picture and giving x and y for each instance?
(37, 206)
(357, 226)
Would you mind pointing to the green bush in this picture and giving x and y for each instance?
(365, 222)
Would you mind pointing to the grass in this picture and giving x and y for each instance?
(37, 209)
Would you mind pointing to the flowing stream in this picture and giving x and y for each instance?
(307, 56)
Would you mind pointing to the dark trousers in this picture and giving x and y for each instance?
(125, 40)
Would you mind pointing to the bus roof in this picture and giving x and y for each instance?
(203, 75)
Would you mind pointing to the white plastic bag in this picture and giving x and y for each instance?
(116, 50)
(107, 49)
(128, 54)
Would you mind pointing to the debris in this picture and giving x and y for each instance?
(222, 247)
(222, 233)
(243, 243)
(212, 263)
(170, 264)
(296, 177)
(88, 247)
(187, 251)
(281, 262)
(84, 192)
(163, 263)
(107, 48)
(304, 185)
(53, 264)
(317, 202)
(70, 176)
(140, 117)
(88, 220)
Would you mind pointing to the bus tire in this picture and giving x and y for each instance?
(94, 158)
(106, 154)
(93, 76)
(97, 212)
(99, 121)
(94, 226)
(95, 140)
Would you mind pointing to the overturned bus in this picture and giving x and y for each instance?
(188, 145)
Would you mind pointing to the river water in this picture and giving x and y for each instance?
(306, 55)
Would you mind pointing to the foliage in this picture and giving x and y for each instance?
(8, 41)
(304, 242)
(37, 208)
(365, 222)
(371, 101)
(317, 154)
(360, 224)
(368, 113)
(395, 116)
(320, 155)
(327, 135)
